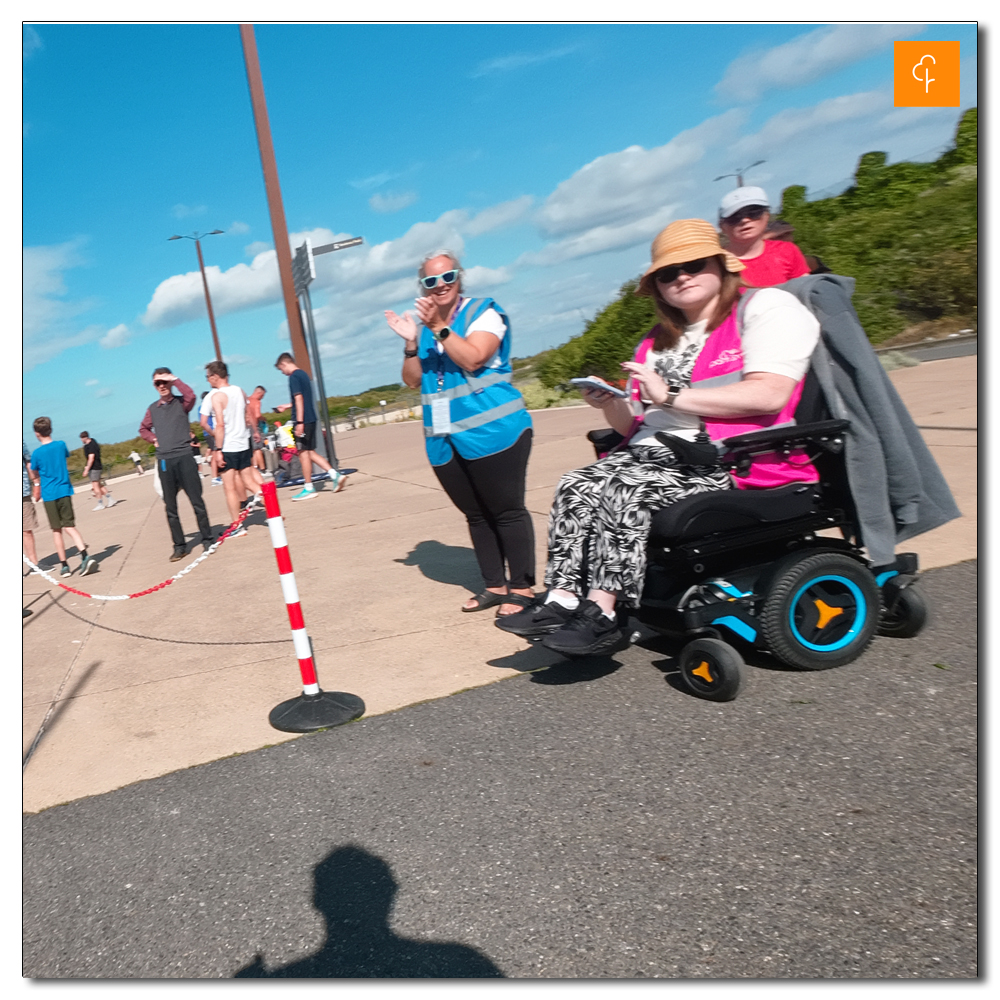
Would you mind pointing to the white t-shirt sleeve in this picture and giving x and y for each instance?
(491, 322)
(206, 405)
(779, 334)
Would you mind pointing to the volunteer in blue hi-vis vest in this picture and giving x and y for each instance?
(476, 427)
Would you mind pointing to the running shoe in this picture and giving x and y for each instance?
(88, 565)
(65, 571)
(538, 620)
(110, 502)
(217, 481)
(336, 481)
(305, 494)
(100, 506)
(589, 633)
(239, 531)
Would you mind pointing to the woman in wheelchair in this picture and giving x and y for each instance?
(712, 363)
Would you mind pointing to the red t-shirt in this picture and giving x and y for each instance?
(780, 261)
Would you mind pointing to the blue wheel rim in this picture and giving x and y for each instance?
(830, 608)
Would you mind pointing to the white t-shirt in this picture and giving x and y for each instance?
(779, 336)
(491, 322)
(237, 434)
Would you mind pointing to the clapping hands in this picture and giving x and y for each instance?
(404, 325)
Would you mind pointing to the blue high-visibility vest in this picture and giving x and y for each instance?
(477, 413)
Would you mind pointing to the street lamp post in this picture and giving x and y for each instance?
(197, 237)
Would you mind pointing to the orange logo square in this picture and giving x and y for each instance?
(925, 74)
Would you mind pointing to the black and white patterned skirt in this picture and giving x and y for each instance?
(601, 514)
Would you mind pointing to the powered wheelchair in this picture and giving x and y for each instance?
(741, 568)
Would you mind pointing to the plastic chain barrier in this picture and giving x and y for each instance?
(244, 514)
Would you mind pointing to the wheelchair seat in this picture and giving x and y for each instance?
(728, 510)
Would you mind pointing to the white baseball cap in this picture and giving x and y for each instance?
(741, 198)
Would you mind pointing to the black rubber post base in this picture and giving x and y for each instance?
(309, 713)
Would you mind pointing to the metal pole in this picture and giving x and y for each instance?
(208, 302)
(324, 411)
(278, 226)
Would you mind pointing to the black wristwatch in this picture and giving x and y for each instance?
(411, 354)
(673, 391)
(443, 335)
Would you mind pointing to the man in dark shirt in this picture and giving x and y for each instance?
(94, 471)
(304, 427)
(166, 426)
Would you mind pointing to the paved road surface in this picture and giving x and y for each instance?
(590, 820)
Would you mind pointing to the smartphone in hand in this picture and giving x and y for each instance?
(593, 382)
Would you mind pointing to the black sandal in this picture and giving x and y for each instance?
(520, 600)
(487, 599)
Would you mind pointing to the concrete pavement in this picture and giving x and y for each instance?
(135, 689)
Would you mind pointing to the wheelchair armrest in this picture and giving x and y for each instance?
(691, 452)
(826, 434)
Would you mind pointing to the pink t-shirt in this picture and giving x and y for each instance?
(780, 261)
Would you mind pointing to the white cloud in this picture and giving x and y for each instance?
(238, 228)
(518, 60)
(185, 211)
(601, 239)
(92, 381)
(391, 201)
(806, 58)
(258, 246)
(477, 280)
(31, 42)
(499, 216)
(117, 336)
(376, 180)
(792, 125)
(47, 315)
(104, 393)
(628, 185)
(182, 297)
(238, 359)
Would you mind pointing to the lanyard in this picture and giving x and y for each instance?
(437, 355)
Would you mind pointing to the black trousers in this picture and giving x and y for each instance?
(490, 493)
(181, 473)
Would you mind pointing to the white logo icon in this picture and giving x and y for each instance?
(926, 79)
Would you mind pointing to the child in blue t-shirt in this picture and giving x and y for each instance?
(49, 461)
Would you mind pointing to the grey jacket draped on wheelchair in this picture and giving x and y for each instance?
(897, 487)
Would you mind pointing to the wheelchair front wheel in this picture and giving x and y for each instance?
(712, 669)
(906, 619)
(822, 611)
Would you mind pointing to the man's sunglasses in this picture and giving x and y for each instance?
(752, 212)
(160, 384)
(448, 278)
(667, 274)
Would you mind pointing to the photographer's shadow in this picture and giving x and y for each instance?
(354, 891)
(453, 564)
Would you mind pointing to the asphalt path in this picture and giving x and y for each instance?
(591, 821)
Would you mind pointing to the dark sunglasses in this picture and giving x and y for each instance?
(667, 274)
(448, 278)
(160, 384)
(753, 212)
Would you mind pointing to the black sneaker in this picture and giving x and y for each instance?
(539, 619)
(589, 633)
(179, 553)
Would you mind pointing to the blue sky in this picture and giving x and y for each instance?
(548, 156)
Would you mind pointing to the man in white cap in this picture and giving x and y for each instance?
(743, 217)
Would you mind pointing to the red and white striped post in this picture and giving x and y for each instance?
(313, 709)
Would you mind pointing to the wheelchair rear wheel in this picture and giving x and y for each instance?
(712, 669)
(907, 618)
(822, 611)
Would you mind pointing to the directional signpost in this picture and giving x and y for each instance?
(304, 273)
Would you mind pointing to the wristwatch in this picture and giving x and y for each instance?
(443, 335)
(411, 354)
(673, 391)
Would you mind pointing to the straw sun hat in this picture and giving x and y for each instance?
(681, 241)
